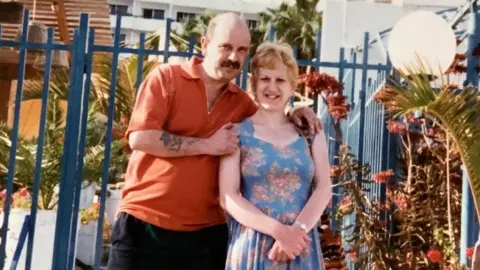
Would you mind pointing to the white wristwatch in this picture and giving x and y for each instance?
(301, 225)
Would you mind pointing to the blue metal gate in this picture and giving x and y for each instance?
(364, 130)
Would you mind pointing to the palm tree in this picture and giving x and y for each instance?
(100, 87)
(194, 28)
(295, 24)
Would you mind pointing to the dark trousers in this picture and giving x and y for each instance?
(137, 245)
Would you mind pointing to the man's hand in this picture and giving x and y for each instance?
(313, 124)
(223, 142)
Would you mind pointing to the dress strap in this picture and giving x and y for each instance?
(246, 127)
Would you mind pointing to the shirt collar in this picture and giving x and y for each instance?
(191, 71)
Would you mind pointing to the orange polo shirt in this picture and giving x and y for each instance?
(179, 193)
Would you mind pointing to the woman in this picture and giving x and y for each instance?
(274, 188)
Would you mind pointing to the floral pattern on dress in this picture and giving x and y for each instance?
(277, 180)
(254, 158)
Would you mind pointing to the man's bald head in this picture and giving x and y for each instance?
(225, 47)
(229, 20)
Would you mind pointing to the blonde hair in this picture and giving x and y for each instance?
(269, 55)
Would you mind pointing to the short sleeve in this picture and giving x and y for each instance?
(251, 107)
(152, 102)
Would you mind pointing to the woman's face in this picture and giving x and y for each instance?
(273, 88)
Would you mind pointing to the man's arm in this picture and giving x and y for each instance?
(165, 144)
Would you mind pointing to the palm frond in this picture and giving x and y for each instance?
(458, 112)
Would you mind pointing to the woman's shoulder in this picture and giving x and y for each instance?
(245, 127)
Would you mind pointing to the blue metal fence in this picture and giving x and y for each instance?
(364, 123)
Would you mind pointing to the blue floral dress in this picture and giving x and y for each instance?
(277, 180)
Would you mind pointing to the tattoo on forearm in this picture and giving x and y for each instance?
(174, 142)
(171, 141)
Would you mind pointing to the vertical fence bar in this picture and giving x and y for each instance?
(81, 152)
(67, 184)
(39, 154)
(244, 74)
(271, 33)
(141, 52)
(362, 96)
(469, 230)
(59, 233)
(354, 72)
(191, 45)
(168, 29)
(318, 49)
(14, 135)
(108, 140)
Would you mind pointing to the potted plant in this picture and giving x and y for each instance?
(21, 202)
(87, 235)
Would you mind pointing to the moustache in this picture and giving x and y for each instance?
(230, 64)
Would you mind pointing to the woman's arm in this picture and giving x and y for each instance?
(236, 205)
(313, 210)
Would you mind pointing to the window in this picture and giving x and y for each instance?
(158, 14)
(183, 16)
(119, 10)
(252, 24)
(123, 37)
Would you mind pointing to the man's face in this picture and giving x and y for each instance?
(225, 52)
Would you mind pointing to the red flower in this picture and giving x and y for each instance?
(336, 100)
(117, 134)
(339, 112)
(352, 255)
(23, 192)
(335, 171)
(412, 120)
(431, 132)
(451, 87)
(3, 194)
(383, 176)
(382, 95)
(470, 251)
(317, 83)
(435, 255)
(401, 202)
(460, 57)
(396, 127)
(347, 200)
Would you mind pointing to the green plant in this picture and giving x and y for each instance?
(91, 214)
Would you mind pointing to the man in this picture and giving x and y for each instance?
(170, 217)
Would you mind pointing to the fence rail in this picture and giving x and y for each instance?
(364, 130)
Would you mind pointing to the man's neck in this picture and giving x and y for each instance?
(211, 84)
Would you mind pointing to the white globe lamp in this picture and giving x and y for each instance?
(422, 36)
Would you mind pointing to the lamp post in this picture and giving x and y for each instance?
(422, 36)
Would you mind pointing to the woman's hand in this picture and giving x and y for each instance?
(292, 240)
(276, 253)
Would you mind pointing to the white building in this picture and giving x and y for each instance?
(149, 15)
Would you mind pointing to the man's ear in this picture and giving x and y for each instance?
(204, 44)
